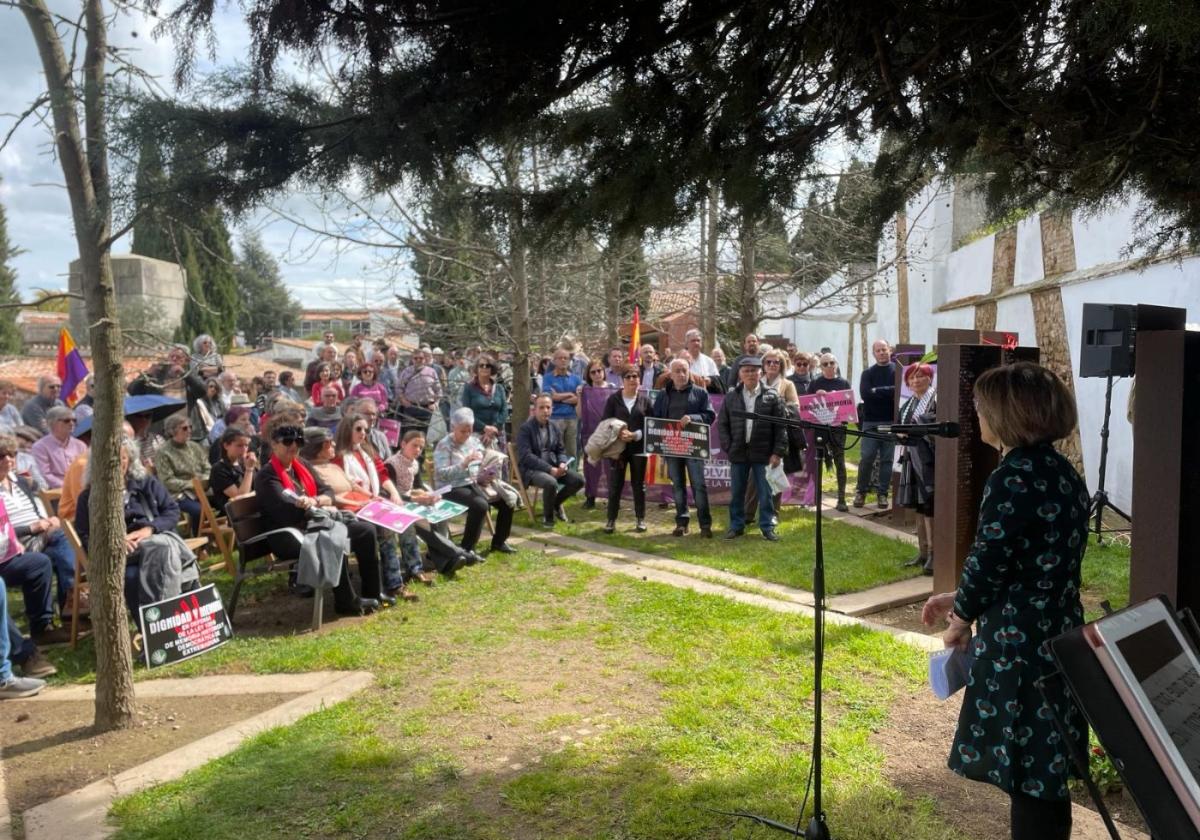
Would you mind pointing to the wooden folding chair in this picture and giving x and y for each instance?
(528, 495)
(50, 499)
(214, 527)
(252, 534)
(81, 563)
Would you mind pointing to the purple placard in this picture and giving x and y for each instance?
(387, 515)
(391, 430)
(833, 408)
(658, 482)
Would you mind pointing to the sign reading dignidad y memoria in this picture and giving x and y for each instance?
(669, 438)
(184, 626)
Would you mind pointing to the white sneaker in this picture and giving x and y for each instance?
(17, 687)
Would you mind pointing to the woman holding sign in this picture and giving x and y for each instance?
(633, 407)
(835, 447)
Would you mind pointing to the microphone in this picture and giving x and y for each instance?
(948, 429)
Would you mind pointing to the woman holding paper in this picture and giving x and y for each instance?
(355, 454)
(1020, 588)
(633, 407)
(456, 461)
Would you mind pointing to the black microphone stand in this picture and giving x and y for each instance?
(818, 829)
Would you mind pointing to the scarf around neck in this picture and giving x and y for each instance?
(302, 473)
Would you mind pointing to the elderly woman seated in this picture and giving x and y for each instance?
(320, 452)
(456, 461)
(178, 461)
(165, 566)
(287, 489)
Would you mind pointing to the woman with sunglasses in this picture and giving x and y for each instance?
(287, 489)
(369, 387)
(828, 382)
(355, 454)
(801, 374)
(597, 377)
(632, 406)
(487, 400)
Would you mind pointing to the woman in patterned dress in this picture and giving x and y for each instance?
(1020, 587)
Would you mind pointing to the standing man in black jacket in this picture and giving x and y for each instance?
(877, 390)
(751, 445)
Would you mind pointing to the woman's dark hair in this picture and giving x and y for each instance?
(343, 438)
(491, 363)
(232, 434)
(1025, 404)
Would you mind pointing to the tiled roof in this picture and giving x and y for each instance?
(23, 371)
(676, 297)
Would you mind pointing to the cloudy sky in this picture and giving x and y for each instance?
(39, 219)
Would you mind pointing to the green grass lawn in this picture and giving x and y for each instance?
(1105, 576)
(538, 698)
(855, 559)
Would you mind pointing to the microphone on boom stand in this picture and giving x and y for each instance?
(948, 429)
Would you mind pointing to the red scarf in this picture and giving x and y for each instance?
(302, 473)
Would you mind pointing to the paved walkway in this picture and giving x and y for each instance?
(81, 814)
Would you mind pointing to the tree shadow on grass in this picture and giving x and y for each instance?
(329, 776)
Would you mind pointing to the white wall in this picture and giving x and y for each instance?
(937, 275)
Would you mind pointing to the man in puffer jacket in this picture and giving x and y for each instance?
(751, 445)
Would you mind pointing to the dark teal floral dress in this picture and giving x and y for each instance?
(1020, 583)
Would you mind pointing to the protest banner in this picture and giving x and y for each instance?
(833, 408)
(717, 478)
(670, 437)
(185, 626)
(387, 515)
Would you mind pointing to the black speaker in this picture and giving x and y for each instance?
(1109, 331)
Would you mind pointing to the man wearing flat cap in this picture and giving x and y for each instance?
(751, 445)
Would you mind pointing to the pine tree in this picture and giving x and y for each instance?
(257, 276)
(10, 336)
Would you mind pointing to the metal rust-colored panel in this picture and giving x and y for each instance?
(1166, 469)
(962, 464)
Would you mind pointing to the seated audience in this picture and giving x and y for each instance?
(33, 550)
(54, 452)
(447, 558)
(205, 357)
(239, 416)
(10, 417)
(27, 466)
(233, 473)
(165, 565)
(543, 461)
(179, 461)
(365, 469)
(13, 687)
(327, 414)
(286, 490)
(456, 464)
(33, 413)
(369, 387)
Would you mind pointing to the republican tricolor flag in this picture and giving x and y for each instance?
(635, 338)
(72, 370)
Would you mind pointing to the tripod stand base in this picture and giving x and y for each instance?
(817, 829)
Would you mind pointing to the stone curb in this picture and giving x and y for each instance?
(82, 814)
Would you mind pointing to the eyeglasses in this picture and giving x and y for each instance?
(67, 420)
(771, 362)
(8, 454)
(185, 427)
(596, 370)
(362, 429)
(828, 364)
(801, 364)
(484, 367)
(54, 387)
(631, 376)
(289, 434)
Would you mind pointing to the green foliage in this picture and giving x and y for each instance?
(169, 227)
(272, 306)
(55, 305)
(10, 336)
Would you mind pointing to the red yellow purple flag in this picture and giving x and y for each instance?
(72, 370)
(635, 338)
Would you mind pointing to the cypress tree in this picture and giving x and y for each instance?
(10, 336)
(214, 255)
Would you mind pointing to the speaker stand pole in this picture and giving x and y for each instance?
(1100, 499)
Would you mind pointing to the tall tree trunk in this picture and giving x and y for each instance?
(747, 315)
(520, 288)
(902, 277)
(702, 278)
(85, 169)
(710, 319)
(612, 300)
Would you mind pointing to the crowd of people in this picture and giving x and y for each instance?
(357, 428)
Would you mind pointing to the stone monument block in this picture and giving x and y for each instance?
(150, 295)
